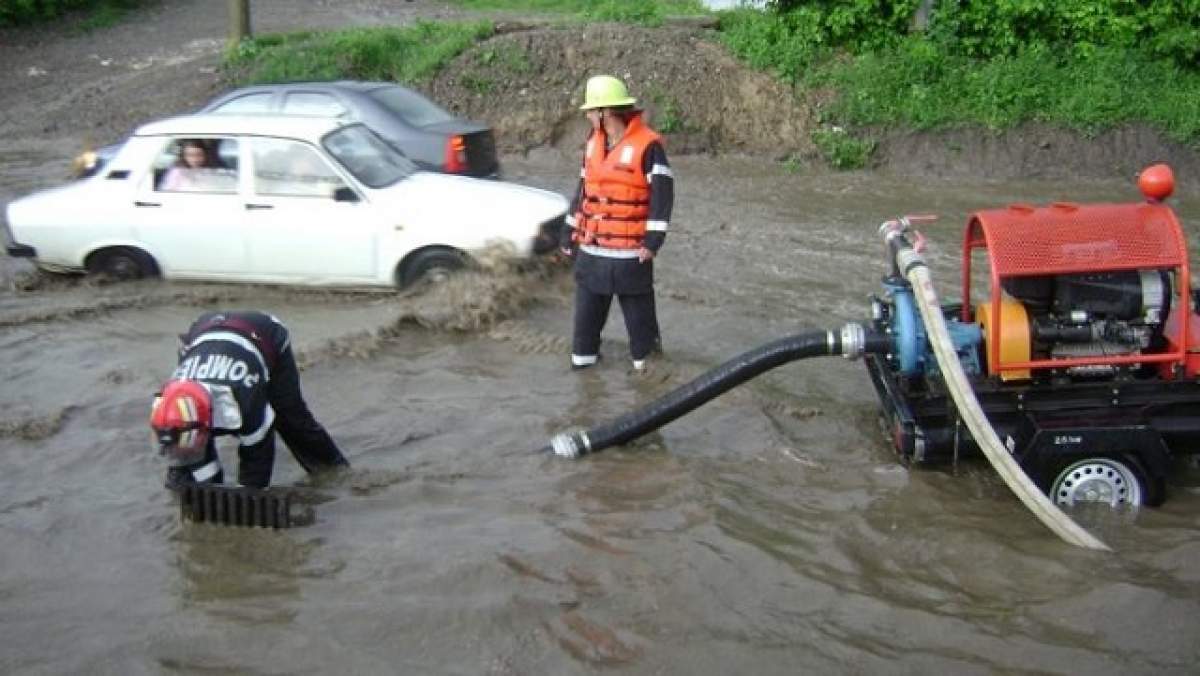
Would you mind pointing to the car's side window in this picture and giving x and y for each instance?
(198, 165)
(292, 169)
(250, 103)
(312, 103)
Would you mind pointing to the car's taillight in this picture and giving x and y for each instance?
(456, 155)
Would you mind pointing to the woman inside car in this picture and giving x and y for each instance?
(198, 169)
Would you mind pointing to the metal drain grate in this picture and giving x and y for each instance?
(240, 506)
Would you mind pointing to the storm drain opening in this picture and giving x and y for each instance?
(239, 506)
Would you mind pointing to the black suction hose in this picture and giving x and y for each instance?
(851, 342)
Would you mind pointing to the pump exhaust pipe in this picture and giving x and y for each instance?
(851, 342)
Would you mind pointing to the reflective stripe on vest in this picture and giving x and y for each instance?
(616, 194)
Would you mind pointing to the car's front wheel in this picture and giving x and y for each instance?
(122, 263)
(433, 265)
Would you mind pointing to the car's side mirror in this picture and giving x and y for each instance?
(344, 194)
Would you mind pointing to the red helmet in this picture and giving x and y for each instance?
(182, 421)
(1157, 182)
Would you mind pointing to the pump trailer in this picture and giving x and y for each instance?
(1084, 355)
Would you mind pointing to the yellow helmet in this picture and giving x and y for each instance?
(606, 91)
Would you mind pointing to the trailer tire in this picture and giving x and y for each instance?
(1119, 481)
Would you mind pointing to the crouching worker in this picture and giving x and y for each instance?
(236, 376)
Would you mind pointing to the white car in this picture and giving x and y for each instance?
(289, 200)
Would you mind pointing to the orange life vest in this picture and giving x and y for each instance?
(616, 194)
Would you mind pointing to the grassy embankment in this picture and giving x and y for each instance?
(97, 13)
(1082, 64)
(412, 54)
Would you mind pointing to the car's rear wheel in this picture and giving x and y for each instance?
(1115, 481)
(433, 265)
(122, 263)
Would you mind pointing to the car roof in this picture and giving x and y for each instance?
(343, 85)
(292, 126)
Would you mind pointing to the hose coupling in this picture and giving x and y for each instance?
(907, 259)
(854, 339)
(571, 444)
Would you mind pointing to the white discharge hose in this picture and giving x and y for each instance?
(912, 265)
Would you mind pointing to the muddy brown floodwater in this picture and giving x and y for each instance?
(770, 532)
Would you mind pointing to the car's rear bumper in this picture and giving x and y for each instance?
(21, 251)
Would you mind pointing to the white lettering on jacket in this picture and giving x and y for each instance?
(216, 368)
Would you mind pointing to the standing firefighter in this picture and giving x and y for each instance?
(237, 375)
(618, 222)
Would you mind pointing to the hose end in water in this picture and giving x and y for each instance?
(570, 444)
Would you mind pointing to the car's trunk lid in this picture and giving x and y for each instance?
(478, 144)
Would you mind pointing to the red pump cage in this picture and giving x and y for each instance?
(1027, 241)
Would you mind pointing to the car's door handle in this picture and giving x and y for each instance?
(139, 203)
(258, 206)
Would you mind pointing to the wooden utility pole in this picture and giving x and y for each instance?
(239, 21)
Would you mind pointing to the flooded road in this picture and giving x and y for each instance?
(772, 531)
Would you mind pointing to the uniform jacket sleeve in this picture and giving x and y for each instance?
(564, 237)
(662, 195)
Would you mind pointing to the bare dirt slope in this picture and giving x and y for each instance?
(527, 82)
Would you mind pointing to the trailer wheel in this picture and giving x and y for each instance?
(1117, 482)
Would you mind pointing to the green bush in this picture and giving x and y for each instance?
(25, 12)
(410, 54)
(668, 114)
(841, 149)
(788, 42)
(986, 28)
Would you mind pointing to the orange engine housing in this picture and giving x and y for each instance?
(1024, 241)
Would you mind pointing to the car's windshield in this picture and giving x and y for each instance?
(367, 156)
(410, 106)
